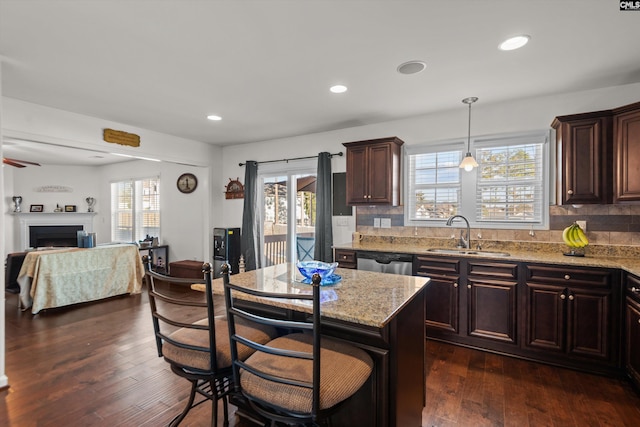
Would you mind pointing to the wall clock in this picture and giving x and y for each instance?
(187, 183)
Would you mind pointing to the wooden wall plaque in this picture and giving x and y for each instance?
(121, 137)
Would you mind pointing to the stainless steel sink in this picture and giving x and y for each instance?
(466, 252)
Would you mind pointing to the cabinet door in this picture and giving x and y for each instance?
(373, 171)
(585, 157)
(357, 185)
(380, 174)
(492, 310)
(442, 293)
(545, 314)
(627, 156)
(588, 323)
(632, 356)
(443, 296)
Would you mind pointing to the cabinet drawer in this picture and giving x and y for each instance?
(428, 265)
(633, 287)
(501, 270)
(570, 276)
(345, 258)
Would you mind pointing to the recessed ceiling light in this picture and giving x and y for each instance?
(412, 67)
(338, 89)
(514, 42)
(214, 118)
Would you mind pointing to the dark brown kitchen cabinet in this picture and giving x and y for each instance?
(492, 300)
(442, 294)
(373, 172)
(585, 158)
(345, 258)
(472, 302)
(632, 329)
(570, 313)
(626, 129)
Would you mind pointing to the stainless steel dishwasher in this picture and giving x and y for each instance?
(385, 262)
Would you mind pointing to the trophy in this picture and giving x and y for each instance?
(16, 202)
(91, 202)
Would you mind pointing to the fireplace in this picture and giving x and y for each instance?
(53, 235)
(78, 220)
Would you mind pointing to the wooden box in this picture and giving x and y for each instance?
(186, 268)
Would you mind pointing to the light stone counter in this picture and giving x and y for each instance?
(361, 297)
(517, 252)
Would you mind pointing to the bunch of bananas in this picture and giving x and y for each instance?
(574, 237)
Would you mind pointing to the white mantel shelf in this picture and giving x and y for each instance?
(19, 214)
(27, 219)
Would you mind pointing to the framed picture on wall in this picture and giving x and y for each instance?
(36, 208)
(69, 208)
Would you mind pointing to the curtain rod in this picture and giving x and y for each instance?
(295, 158)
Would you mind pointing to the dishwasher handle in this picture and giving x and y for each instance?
(384, 257)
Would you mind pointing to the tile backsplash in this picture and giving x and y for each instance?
(606, 225)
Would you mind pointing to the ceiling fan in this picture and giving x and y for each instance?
(18, 163)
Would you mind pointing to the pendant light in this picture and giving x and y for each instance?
(468, 163)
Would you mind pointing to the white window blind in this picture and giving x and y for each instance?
(507, 190)
(510, 183)
(135, 209)
(434, 190)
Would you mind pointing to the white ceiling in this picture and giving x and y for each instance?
(266, 66)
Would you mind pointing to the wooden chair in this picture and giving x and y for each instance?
(299, 378)
(193, 349)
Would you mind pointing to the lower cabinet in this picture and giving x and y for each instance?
(557, 314)
(570, 314)
(472, 302)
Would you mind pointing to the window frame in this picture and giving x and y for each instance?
(469, 180)
(137, 211)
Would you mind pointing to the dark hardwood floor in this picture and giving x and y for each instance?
(96, 365)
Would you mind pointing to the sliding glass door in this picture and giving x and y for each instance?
(288, 215)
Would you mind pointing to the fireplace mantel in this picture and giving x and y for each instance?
(27, 219)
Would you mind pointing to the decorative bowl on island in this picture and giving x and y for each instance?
(309, 268)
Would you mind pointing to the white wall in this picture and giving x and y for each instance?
(487, 118)
(187, 219)
(184, 218)
(4, 381)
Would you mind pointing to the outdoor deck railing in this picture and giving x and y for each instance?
(275, 248)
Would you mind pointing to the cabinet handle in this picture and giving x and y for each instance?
(570, 297)
(635, 290)
(567, 277)
(562, 296)
(455, 285)
(468, 286)
(569, 191)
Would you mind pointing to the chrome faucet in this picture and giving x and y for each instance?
(464, 242)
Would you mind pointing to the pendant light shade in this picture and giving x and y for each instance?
(468, 163)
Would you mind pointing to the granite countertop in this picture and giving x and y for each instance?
(361, 297)
(528, 253)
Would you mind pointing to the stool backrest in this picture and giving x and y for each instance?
(234, 295)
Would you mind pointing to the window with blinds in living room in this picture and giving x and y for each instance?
(135, 209)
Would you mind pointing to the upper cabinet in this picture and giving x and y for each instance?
(599, 156)
(373, 171)
(626, 130)
(585, 157)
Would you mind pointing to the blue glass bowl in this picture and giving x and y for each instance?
(309, 268)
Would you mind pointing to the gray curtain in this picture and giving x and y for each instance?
(250, 223)
(324, 233)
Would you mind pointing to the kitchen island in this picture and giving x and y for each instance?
(381, 313)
